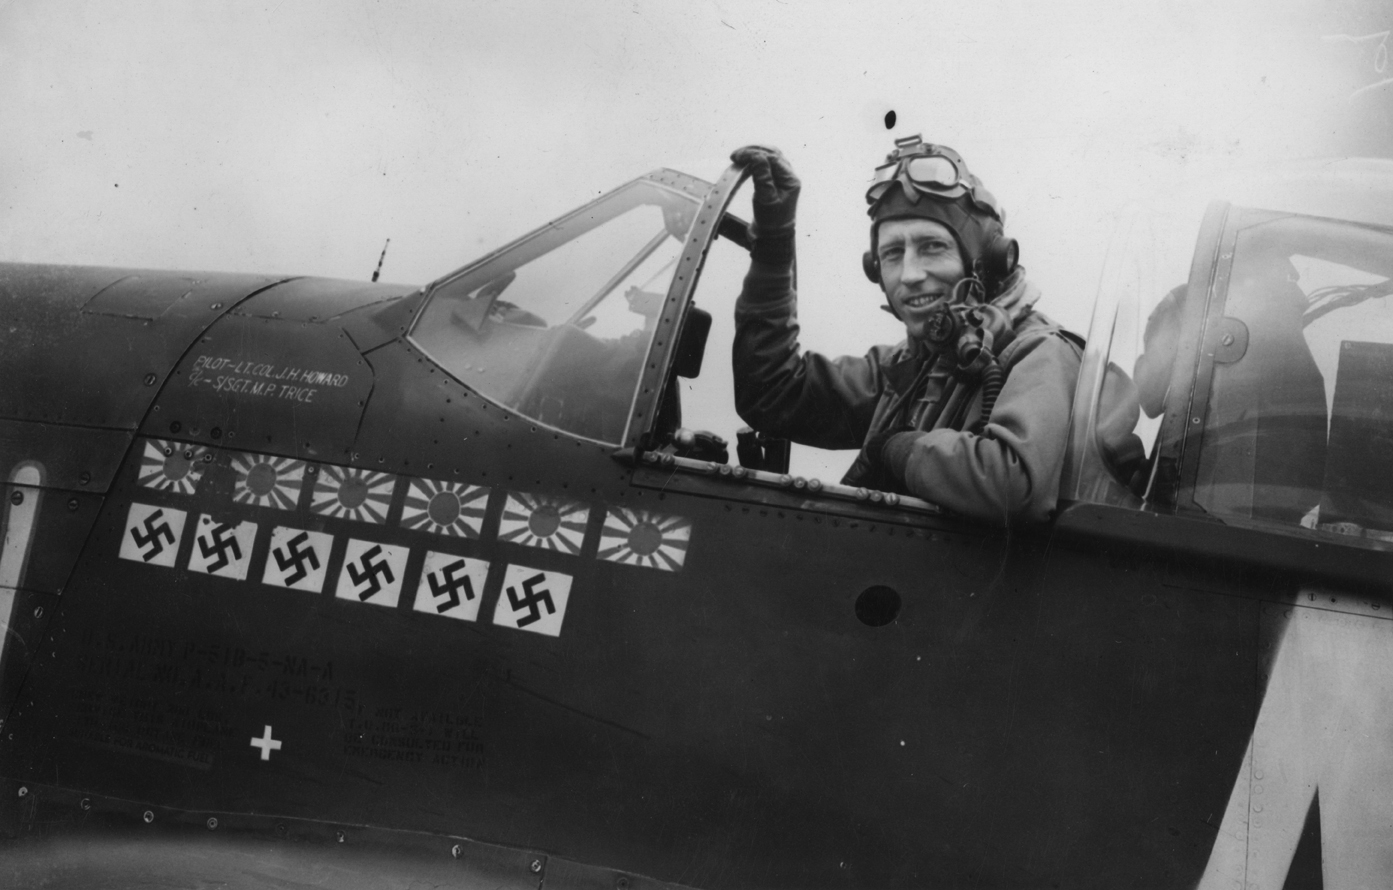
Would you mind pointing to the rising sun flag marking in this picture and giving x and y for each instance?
(264, 480)
(348, 493)
(172, 466)
(641, 538)
(549, 523)
(445, 508)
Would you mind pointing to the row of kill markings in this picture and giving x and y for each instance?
(373, 572)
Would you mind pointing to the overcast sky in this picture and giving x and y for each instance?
(296, 137)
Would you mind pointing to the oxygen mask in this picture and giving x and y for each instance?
(970, 328)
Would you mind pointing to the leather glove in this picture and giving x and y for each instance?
(775, 202)
(888, 452)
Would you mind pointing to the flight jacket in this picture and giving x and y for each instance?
(1010, 471)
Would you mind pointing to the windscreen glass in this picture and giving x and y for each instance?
(1144, 275)
(557, 327)
(1239, 326)
(1298, 426)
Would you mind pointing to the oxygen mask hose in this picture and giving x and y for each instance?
(986, 326)
(992, 379)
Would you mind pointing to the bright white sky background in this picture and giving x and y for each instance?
(296, 137)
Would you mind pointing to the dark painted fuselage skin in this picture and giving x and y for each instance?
(1059, 706)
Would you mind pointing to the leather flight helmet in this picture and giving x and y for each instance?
(927, 181)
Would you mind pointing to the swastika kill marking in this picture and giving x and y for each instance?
(372, 573)
(533, 600)
(451, 585)
(222, 548)
(298, 559)
(152, 535)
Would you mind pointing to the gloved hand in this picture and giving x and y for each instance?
(888, 452)
(775, 201)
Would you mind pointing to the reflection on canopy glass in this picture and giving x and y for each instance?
(1291, 388)
(557, 326)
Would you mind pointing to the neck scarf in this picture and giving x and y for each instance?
(1017, 295)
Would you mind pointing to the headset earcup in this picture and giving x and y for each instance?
(1000, 257)
(871, 267)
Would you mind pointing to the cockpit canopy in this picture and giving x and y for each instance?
(1240, 359)
(557, 326)
(1239, 364)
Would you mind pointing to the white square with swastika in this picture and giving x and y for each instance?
(298, 559)
(152, 535)
(372, 573)
(222, 548)
(533, 599)
(451, 585)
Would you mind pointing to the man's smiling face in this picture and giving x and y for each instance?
(919, 264)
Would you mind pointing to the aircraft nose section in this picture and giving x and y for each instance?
(106, 339)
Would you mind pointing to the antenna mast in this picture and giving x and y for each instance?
(378, 271)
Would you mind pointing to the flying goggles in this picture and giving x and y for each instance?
(922, 168)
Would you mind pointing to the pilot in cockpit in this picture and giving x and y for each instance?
(971, 411)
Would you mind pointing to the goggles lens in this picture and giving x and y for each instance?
(940, 173)
(932, 172)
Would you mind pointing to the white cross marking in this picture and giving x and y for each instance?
(266, 744)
